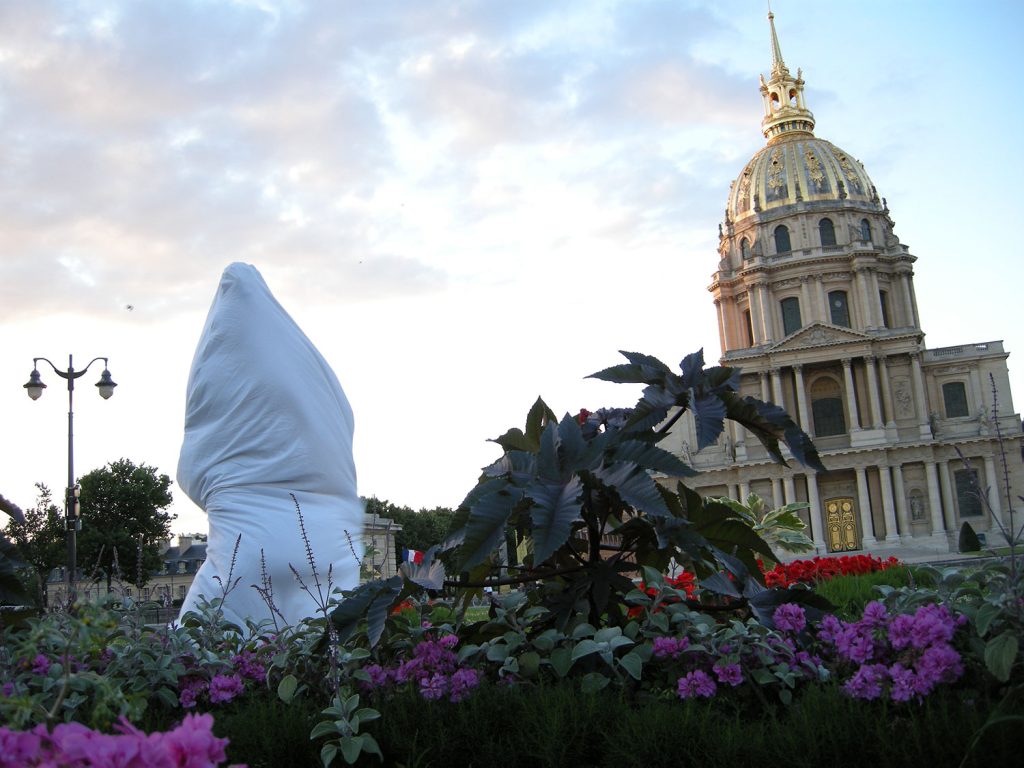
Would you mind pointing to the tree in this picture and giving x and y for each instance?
(41, 540)
(123, 514)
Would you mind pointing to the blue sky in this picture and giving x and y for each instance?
(464, 204)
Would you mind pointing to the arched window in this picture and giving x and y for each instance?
(749, 326)
(782, 244)
(827, 407)
(745, 249)
(883, 301)
(865, 230)
(954, 395)
(827, 230)
(838, 308)
(790, 315)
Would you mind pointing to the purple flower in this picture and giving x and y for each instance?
(249, 665)
(190, 691)
(828, 628)
(448, 641)
(40, 664)
(730, 674)
(434, 687)
(899, 631)
(866, 682)
(670, 647)
(903, 683)
(462, 682)
(696, 684)
(224, 688)
(790, 617)
(7, 689)
(874, 614)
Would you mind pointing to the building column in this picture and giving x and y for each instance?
(888, 507)
(876, 297)
(766, 312)
(807, 312)
(790, 488)
(883, 370)
(913, 299)
(947, 494)
(876, 403)
(864, 507)
(906, 532)
(726, 338)
(777, 499)
(824, 315)
(851, 394)
(994, 503)
(801, 399)
(744, 491)
(777, 387)
(754, 300)
(816, 514)
(908, 300)
(766, 394)
(860, 290)
(935, 501)
(920, 398)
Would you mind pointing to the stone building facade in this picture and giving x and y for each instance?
(816, 305)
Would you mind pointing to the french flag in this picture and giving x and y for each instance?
(412, 556)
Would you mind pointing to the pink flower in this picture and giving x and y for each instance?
(224, 688)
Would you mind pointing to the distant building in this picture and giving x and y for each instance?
(815, 300)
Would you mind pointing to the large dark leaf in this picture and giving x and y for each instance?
(536, 420)
(514, 440)
(371, 601)
(556, 507)
(634, 486)
(730, 534)
(485, 529)
(572, 446)
(652, 458)
(708, 418)
(770, 423)
(764, 603)
(547, 457)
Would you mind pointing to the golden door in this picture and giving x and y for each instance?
(841, 521)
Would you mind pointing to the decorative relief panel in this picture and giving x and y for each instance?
(903, 400)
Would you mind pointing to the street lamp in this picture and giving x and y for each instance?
(34, 388)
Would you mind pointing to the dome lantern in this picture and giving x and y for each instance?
(784, 109)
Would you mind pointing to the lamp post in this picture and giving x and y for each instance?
(34, 388)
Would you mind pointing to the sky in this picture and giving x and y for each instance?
(465, 205)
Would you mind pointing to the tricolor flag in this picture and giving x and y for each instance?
(412, 556)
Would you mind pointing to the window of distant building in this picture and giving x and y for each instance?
(954, 395)
(782, 244)
(838, 308)
(827, 230)
(745, 249)
(883, 300)
(790, 315)
(865, 230)
(968, 500)
(748, 323)
(827, 407)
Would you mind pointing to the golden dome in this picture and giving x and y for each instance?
(798, 168)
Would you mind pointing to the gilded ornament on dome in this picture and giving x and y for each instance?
(815, 172)
(851, 174)
(776, 180)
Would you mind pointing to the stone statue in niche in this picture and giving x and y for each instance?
(916, 506)
(267, 429)
(984, 422)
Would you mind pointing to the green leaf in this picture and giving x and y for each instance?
(593, 682)
(633, 664)
(986, 614)
(708, 418)
(529, 664)
(1000, 654)
(652, 458)
(634, 486)
(324, 728)
(286, 688)
(585, 648)
(770, 423)
(328, 753)
(555, 508)
(351, 746)
(561, 661)
(370, 602)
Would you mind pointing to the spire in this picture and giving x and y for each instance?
(784, 108)
(778, 65)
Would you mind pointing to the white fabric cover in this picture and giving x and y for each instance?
(265, 416)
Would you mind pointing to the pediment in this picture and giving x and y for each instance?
(820, 335)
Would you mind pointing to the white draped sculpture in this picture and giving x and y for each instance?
(265, 418)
